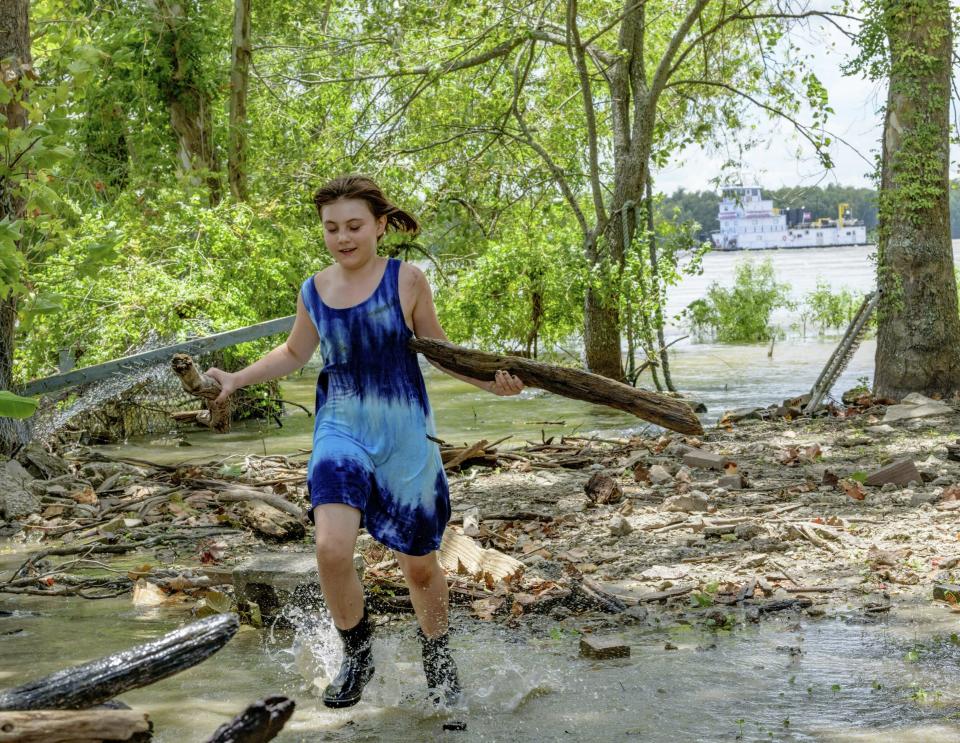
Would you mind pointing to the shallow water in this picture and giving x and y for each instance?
(845, 681)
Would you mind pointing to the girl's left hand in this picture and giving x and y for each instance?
(505, 384)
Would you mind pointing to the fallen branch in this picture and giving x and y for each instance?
(96, 682)
(200, 385)
(61, 726)
(574, 383)
(258, 723)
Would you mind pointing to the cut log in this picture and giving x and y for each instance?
(200, 385)
(258, 723)
(95, 682)
(269, 521)
(574, 383)
(61, 726)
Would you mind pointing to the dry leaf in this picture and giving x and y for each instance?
(147, 594)
(950, 493)
(853, 489)
(86, 496)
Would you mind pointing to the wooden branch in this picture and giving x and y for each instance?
(577, 52)
(95, 682)
(258, 723)
(665, 411)
(62, 726)
(200, 385)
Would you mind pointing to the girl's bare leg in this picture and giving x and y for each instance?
(428, 591)
(336, 526)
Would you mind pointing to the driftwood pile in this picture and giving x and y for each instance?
(102, 508)
(78, 703)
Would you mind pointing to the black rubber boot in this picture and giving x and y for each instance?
(440, 669)
(356, 668)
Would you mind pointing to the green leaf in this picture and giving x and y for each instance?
(14, 406)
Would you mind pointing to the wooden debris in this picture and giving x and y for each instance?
(63, 726)
(602, 489)
(603, 648)
(901, 472)
(670, 413)
(270, 522)
(200, 385)
(100, 680)
(258, 723)
(459, 554)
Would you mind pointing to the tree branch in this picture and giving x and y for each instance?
(581, 64)
(519, 80)
(664, 68)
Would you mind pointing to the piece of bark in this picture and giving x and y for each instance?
(574, 383)
(460, 554)
(95, 682)
(238, 494)
(200, 385)
(901, 472)
(258, 723)
(476, 449)
(269, 521)
(61, 726)
(602, 489)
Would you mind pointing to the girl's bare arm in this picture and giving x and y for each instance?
(427, 325)
(286, 358)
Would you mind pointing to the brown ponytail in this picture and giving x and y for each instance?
(362, 187)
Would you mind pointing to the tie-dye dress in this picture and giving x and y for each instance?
(370, 445)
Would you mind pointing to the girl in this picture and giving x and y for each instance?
(372, 463)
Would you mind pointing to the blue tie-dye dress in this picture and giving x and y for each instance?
(370, 445)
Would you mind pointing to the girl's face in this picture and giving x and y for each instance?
(350, 231)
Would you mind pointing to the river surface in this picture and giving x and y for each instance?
(835, 679)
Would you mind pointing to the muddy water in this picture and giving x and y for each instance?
(787, 680)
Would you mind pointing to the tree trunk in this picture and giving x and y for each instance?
(191, 111)
(15, 63)
(239, 77)
(601, 335)
(657, 289)
(918, 342)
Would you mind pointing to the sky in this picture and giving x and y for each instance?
(786, 159)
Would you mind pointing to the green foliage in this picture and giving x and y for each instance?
(15, 406)
(180, 268)
(740, 314)
(519, 295)
(831, 310)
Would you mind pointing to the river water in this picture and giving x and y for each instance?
(839, 679)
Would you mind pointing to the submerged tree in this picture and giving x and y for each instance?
(918, 338)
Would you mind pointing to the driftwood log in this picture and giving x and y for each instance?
(95, 682)
(575, 383)
(258, 723)
(63, 726)
(200, 385)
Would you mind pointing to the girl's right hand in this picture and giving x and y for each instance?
(228, 383)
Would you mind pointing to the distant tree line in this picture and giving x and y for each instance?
(701, 206)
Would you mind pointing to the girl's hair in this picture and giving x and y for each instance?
(362, 187)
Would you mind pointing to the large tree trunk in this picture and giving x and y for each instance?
(15, 63)
(239, 76)
(918, 343)
(191, 110)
